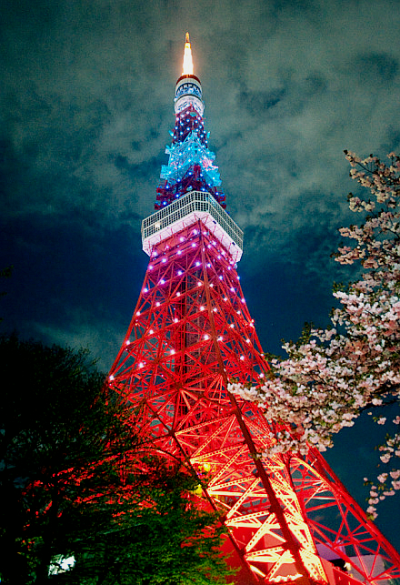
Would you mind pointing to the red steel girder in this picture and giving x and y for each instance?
(190, 334)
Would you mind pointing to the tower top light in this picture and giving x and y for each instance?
(187, 58)
(188, 86)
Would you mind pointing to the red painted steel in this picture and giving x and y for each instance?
(190, 334)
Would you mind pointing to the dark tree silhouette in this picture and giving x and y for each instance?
(71, 485)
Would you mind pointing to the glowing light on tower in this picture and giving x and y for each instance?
(187, 58)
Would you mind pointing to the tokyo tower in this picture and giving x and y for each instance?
(289, 517)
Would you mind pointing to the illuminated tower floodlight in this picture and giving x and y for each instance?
(289, 517)
(187, 58)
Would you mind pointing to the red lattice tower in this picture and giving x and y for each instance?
(289, 517)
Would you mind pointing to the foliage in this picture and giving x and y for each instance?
(5, 273)
(72, 482)
(332, 375)
(167, 541)
(46, 443)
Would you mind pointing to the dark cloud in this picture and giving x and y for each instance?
(375, 68)
(85, 109)
(257, 102)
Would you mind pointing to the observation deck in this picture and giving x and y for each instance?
(187, 210)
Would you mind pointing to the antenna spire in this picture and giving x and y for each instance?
(187, 58)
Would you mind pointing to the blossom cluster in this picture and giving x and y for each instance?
(331, 376)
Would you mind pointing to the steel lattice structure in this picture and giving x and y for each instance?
(191, 333)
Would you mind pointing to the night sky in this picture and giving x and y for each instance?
(86, 105)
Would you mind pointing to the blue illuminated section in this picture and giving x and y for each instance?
(183, 156)
(191, 164)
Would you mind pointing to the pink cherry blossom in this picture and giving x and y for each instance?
(330, 376)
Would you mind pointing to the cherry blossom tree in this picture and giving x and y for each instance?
(332, 375)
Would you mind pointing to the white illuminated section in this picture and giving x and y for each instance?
(187, 92)
(187, 58)
(186, 211)
(60, 564)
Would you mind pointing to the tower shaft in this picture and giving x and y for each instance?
(192, 333)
